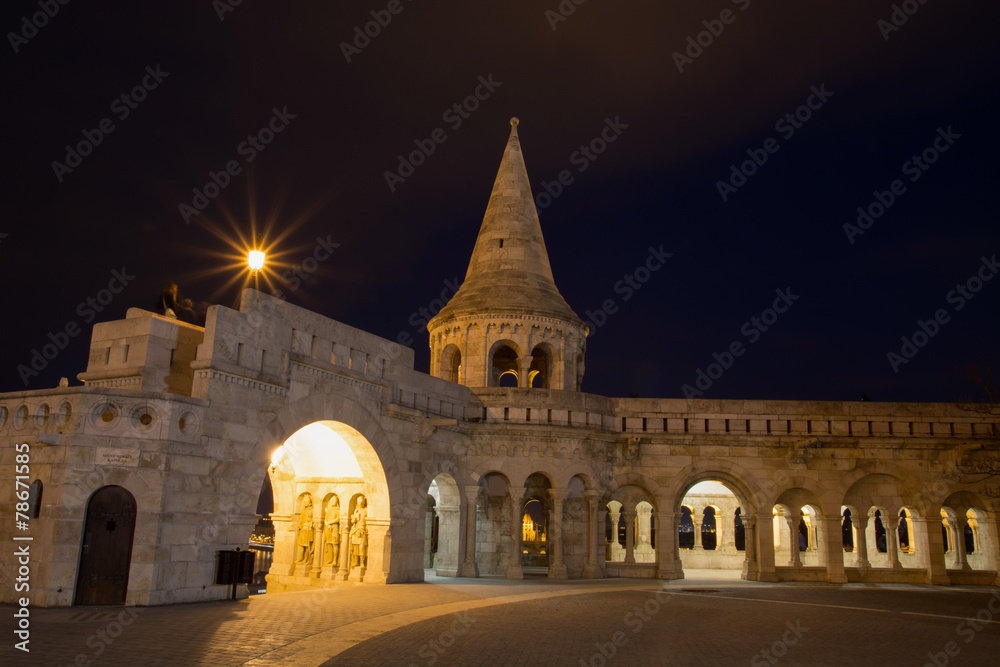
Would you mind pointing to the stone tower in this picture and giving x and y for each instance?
(508, 325)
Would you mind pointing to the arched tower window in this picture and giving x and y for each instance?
(451, 363)
(505, 366)
(539, 375)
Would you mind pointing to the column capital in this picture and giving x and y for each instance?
(592, 495)
(471, 491)
(558, 494)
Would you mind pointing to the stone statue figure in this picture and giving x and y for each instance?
(331, 533)
(304, 535)
(359, 534)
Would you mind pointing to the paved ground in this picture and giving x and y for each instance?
(706, 619)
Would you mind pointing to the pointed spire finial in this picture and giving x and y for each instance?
(514, 121)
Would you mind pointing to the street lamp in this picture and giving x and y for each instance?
(255, 258)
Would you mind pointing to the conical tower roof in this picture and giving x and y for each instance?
(509, 271)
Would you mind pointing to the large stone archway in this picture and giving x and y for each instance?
(758, 561)
(304, 479)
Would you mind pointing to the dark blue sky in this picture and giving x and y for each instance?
(864, 98)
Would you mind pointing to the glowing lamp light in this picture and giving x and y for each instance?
(279, 453)
(256, 260)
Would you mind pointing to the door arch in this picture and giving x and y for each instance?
(106, 550)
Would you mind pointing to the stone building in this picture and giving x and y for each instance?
(495, 463)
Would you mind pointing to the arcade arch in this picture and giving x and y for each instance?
(706, 534)
(331, 508)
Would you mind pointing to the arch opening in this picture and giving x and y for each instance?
(331, 509)
(710, 523)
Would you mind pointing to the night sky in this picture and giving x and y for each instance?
(679, 116)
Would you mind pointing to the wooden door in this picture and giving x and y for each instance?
(107, 547)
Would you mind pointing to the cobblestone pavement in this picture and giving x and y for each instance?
(696, 621)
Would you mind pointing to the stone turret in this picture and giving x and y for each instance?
(508, 325)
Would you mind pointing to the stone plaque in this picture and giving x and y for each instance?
(125, 458)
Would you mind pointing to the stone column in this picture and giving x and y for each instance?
(961, 558)
(522, 376)
(557, 569)
(428, 537)
(931, 542)
(590, 566)
(629, 535)
(860, 524)
(870, 536)
(376, 569)
(764, 526)
(834, 549)
(469, 566)
(514, 570)
(447, 558)
(283, 561)
(792, 519)
(727, 541)
(696, 519)
(750, 566)
(616, 546)
(601, 537)
(317, 564)
(891, 525)
(668, 561)
(345, 549)
(644, 546)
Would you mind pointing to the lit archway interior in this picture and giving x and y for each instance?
(331, 509)
(710, 532)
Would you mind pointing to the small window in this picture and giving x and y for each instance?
(501, 243)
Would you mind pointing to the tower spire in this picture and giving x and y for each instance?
(508, 323)
(509, 270)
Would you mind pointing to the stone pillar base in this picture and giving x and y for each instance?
(558, 572)
(836, 578)
(942, 580)
(357, 574)
(469, 569)
(301, 570)
(515, 572)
